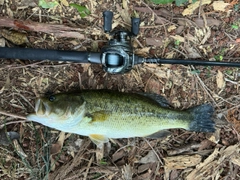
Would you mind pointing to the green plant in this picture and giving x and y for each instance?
(219, 57)
(196, 72)
(235, 26)
(229, 72)
(236, 7)
(83, 11)
(178, 2)
(176, 43)
(103, 162)
(47, 4)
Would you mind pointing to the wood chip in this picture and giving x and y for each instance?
(220, 80)
(182, 161)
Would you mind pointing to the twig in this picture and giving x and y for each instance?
(140, 44)
(17, 67)
(88, 167)
(24, 99)
(180, 52)
(200, 8)
(154, 151)
(153, 26)
(12, 122)
(12, 115)
(233, 82)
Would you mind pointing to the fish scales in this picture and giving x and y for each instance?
(103, 114)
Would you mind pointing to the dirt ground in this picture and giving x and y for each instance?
(208, 32)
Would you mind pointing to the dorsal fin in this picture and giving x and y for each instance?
(162, 101)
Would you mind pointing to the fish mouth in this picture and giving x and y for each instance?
(42, 108)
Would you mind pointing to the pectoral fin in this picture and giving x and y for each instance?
(98, 139)
(159, 134)
(98, 116)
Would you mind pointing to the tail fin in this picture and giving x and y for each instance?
(202, 118)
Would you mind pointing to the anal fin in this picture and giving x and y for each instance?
(159, 134)
(98, 139)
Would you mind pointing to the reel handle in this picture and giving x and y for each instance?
(107, 21)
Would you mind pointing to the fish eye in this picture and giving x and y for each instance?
(52, 98)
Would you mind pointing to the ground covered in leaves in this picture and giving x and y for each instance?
(204, 30)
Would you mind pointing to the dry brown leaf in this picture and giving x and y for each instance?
(118, 155)
(191, 38)
(154, 41)
(231, 118)
(219, 5)
(159, 20)
(149, 158)
(56, 148)
(170, 28)
(192, 53)
(15, 37)
(210, 22)
(192, 7)
(220, 80)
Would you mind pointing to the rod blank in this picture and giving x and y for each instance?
(45, 54)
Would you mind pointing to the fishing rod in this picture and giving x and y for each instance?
(117, 57)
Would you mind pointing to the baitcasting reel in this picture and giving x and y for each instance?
(118, 56)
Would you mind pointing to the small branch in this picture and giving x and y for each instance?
(57, 30)
(14, 116)
(12, 122)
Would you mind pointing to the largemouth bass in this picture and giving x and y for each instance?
(104, 114)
